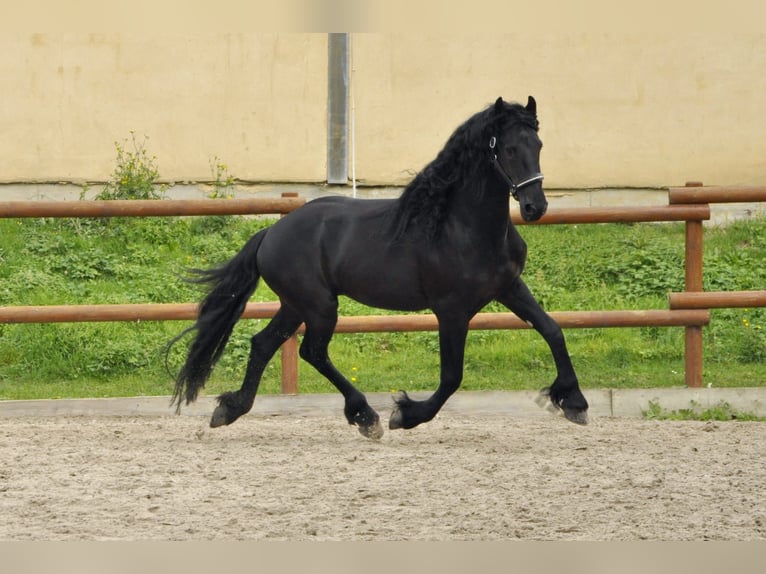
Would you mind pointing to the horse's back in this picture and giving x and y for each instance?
(341, 246)
(329, 218)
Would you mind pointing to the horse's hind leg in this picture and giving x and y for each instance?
(319, 330)
(232, 405)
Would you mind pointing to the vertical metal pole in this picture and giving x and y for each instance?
(693, 282)
(289, 353)
(337, 108)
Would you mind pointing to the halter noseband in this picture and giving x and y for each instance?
(515, 187)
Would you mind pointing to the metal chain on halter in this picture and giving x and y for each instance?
(515, 187)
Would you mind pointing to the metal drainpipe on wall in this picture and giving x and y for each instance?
(337, 108)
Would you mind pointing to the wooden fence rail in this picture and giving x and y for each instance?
(357, 324)
(717, 299)
(126, 312)
(696, 193)
(689, 309)
(150, 207)
(655, 213)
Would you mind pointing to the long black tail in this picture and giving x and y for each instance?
(230, 288)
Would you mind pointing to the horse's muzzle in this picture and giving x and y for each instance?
(531, 211)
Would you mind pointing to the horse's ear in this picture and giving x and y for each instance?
(532, 106)
(499, 105)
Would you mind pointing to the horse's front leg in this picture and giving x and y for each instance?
(409, 413)
(565, 392)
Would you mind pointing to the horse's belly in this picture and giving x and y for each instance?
(384, 290)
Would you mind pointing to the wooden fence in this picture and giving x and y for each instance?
(689, 309)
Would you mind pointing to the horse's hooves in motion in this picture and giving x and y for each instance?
(372, 430)
(575, 415)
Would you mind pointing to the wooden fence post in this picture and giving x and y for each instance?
(289, 356)
(693, 282)
(289, 351)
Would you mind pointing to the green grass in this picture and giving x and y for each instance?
(723, 411)
(45, 262)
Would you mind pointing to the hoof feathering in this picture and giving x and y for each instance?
(396, 420)
(544, 401)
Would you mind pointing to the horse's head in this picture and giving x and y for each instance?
(515, 155)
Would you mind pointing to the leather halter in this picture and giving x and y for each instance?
(515, 187)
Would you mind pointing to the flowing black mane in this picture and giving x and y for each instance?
(463, 162)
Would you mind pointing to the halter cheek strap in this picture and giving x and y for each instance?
(515, 187)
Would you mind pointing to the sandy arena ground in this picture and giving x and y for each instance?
(458, 477)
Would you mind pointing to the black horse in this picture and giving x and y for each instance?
(446, 244)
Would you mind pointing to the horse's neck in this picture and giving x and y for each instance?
(484, 209)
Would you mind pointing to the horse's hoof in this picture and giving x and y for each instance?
(368, 423)
(396, 420)
(219, 418)
(576, 416)
(373, 431)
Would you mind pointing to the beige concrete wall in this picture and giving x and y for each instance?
(255, 101)
(616, 110)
